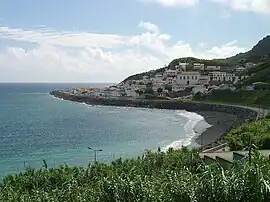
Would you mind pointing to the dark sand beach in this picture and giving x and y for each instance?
(220, 123)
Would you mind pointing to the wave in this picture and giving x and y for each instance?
(193, 119)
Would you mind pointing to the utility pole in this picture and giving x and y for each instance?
(95, 153)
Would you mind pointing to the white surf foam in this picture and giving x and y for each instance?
(193, 119)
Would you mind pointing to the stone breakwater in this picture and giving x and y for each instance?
(243, 114)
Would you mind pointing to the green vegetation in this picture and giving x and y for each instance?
(259, 74)
(260, 51)
(178, 175)
(242, 97)
(256, 133)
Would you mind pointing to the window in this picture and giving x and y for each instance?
(192, 77)
(196, 77)
(184, 77)
(180, 77)
(187, 77)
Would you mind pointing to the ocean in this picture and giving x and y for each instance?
(35, 126)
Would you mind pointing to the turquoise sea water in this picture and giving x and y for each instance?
(36, 126)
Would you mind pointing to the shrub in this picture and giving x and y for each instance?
(258, 132)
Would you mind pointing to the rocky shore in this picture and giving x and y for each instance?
(222, 117)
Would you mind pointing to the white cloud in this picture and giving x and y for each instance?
(259, 6)
(73, 39)
(149, 26)
(171, 3)
(88, 57)
(225, 50)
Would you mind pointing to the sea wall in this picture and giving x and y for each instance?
(244, 114)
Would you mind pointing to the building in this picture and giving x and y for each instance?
(199, 89)
(171, 72)
(217, 76)
(249, 65)
(188, 78)
(130, 92)
(183, 66)
(171, 80)
(212, 68)
(240, 69)
(198, 66)
(230, 77)
(204, 80)
(177, 88)
(157, 86)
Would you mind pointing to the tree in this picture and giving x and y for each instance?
(160, 90)
(149, 91)
(168, 87)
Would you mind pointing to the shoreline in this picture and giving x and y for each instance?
(220, 124)
(222, 118)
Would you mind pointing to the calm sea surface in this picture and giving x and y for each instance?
(36, 126)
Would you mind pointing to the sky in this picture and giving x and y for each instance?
(108, 40)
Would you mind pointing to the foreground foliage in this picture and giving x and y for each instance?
(173, 176)
(256, 133)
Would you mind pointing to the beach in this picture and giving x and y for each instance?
(220, 123)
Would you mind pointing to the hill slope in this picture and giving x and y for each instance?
(260, 51)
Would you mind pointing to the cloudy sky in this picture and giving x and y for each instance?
(107, 40)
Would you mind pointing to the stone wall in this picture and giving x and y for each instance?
(245, 114)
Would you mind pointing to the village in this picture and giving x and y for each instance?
(183, 80)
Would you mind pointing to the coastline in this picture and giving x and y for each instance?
(221, 117)
(220, 124)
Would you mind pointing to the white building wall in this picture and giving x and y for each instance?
(213, 68)
(198, 89)
(198, 66)
(183, 66)
(188, 78)
(176, 88)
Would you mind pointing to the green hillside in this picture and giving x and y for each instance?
(261, 73)
(242, 97)
(259, 52)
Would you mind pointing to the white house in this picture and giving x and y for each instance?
(212, 68)
(188, 78)
(198, 66)
(249, 65)
(156, 86)
(177, 88)
(171, 72)
(204, 80)
(199, 89)
(183, 66)
(171, 80)
(158, 78)
(217, 76)
(116, 93)
(240, 69)
(130, 92)
(229, 76)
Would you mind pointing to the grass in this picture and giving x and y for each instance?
(178, 175)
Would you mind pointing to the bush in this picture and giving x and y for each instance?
(177, 175)
(258, 132)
